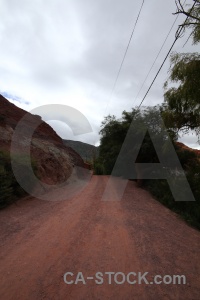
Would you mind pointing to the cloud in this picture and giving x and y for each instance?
(69, 52)
(14, 98)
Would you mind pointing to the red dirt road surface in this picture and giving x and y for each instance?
(42, 240)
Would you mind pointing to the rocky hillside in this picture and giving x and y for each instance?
(184, 147)
(54, 161)
(86, 151)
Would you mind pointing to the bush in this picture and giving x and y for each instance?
(10, 189)
(98, 167)
(6, 189)
(189, 211)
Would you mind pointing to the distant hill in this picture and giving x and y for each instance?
(86, 151)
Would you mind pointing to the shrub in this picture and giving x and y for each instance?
(10, 189)
(188, 210)
(6, 188)
(98, 167)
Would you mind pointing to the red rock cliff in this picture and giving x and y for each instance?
(54, 160)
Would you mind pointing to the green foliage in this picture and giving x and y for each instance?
(114, 131)
(183, 103)
(195, 19)
(112, 137)
(6, 189)
(190, 211)
(98, 167)
(10, 189)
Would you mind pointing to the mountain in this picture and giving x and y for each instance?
(53, 161)
(86, 151)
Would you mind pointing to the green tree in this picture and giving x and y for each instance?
(183, 102)
(182, 109)
(112, 136)
(114, 131)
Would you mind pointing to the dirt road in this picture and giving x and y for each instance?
(42, 240)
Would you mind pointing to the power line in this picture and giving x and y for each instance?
(122, 62)
(188, 38)
(177, 35)
(156, 58)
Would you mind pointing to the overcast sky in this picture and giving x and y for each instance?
(69, 52)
